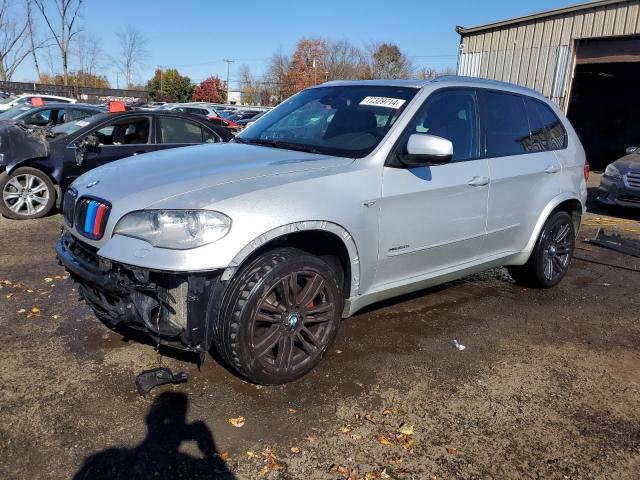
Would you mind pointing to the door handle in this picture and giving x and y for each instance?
(479, 181)
(551, 169)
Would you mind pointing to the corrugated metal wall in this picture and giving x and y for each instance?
(538, 53)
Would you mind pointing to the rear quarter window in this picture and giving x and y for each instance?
(555, 130)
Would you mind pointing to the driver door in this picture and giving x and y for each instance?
(434, 217)
(121, 138)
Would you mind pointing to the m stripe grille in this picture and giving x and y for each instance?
(91, 217)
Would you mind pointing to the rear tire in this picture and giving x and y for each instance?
(551, 255)
(26, 193)
(279, 316)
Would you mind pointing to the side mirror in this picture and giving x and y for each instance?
(424, 149)
(92, 141)
(631, 150)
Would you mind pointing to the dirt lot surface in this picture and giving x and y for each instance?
(547, 387)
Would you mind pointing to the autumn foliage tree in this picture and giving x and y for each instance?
(307, 66)
(211, 89)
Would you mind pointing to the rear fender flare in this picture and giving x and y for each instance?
(522, 257)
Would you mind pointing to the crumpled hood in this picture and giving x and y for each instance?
(628, 163)
(19, 143)
(140, 181)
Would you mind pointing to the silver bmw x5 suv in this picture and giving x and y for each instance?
(344, 195)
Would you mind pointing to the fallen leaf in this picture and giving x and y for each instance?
(295, 450)
(224, 456)
(311, 439)
(9, 295)
(251, 454)
(369, 418)
(48, 279)
(291, 410)
(346, 428)
(395, 460)
(408, 443)
(337, 468)
(452, 451)
(22, 310)
(406, 429)
(35, 311)
(237, 421)
(384, 440)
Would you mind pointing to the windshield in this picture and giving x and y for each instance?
(345, 121)
(14, 112)
(66, 129)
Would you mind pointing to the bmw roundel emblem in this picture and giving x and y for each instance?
(93, 184)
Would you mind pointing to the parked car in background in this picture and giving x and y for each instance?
(346, 194)
(243, 115)
(195, 109)
(245, 122)
(620, 182)
(37, 166)
(11, 102)
(49, 114)
(229, 125)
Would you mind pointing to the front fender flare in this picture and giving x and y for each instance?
(309, 225)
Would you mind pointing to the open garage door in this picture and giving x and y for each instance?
(604, 104)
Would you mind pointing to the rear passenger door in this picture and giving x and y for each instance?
(525, 173)
(179, 132)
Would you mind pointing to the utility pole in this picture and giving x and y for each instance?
(229, 62)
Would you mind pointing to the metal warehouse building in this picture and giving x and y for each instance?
(584, 57)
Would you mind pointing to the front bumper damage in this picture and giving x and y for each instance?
(176, 309)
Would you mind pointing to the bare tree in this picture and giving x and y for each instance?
(276, 74)
(346, 62)
(13, 42)
(88, 55)
(32, 37)
(67, 14)
(133, 52)
(248, 85)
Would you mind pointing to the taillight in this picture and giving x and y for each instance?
(586, 171)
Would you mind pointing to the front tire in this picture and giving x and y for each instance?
(279, 316)
(26, 193)
(551, 255)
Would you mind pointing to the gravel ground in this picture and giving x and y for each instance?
(547, 387)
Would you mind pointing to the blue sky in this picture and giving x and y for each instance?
(195, 35)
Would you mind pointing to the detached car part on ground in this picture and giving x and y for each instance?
(620, 183)
(37, 165)
(344, 195)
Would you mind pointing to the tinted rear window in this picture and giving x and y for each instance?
(555, 130)
(506, 124)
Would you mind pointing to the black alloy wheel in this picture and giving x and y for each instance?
(551, 255)
(279, 316)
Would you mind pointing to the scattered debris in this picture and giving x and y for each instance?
(224, 456)
(615, 241)
(150, 379)
(237, 422)
(458, 345)
(22, 310)
(251, 454)
(295, 450)
(291, 410)
(406, 430)
(452, 451)
(35, 311)
(48, 279)
(382, 439)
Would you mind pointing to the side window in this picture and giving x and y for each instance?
(555, 129)
(130, 131)
(506, 125)
(74, 114)
(38, 118)
(450, 114)
(178, 130)
(209, 137)
(538, 138)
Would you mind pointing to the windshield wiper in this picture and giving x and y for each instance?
(278, 144)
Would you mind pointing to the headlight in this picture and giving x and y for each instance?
(612, 171)
(176, 229)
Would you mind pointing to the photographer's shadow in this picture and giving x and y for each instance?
(158, 456)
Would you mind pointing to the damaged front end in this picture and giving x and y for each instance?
(175, 309)
(19, 143)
